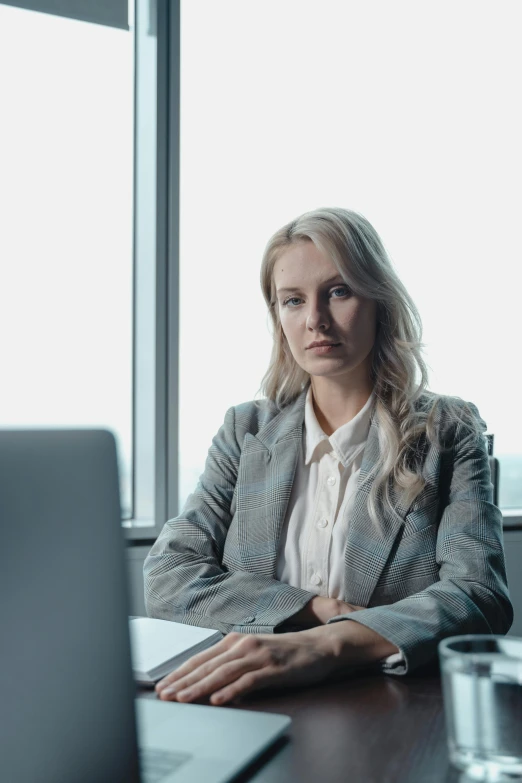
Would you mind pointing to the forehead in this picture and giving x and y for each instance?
(302, 262)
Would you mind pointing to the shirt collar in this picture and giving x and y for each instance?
(346, 442)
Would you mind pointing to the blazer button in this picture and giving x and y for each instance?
(250, 618)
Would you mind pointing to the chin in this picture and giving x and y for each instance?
(322, 369)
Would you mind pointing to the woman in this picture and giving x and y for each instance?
(350, 509)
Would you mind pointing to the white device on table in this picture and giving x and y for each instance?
(67, 699)
(159, 646)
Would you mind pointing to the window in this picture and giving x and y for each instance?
(66, 149)
(87, 230)
(402, 111)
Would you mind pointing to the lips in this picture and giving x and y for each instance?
(323, 350)
(323, 345)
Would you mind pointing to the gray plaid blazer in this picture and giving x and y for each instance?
(434, 569)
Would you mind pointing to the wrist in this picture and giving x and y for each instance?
(325, 608)
(354, 643)
(316, 612)
(319, 610)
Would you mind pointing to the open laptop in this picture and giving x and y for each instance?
(67, 699)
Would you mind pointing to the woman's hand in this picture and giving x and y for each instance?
(319, 610)
(241, 663)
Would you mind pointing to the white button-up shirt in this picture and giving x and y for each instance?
(313, 538)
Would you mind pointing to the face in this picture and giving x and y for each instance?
(315, 305)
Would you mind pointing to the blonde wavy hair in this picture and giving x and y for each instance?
(405, 410)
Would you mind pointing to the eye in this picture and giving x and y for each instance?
(340, 291)
(291, 299)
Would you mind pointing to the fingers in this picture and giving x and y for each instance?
(248, 682)
(193, 687)
(205, 673)
(213, 653)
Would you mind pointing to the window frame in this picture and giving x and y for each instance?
(155, 415)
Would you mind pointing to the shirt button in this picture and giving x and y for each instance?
(250, 618)
(315, 579)
(330, 480)
(322, 522)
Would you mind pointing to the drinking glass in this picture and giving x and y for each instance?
(482, 688)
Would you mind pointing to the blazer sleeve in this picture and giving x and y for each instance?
(471, 595)
(185, 580)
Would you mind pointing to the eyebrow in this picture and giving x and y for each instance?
(326, 283)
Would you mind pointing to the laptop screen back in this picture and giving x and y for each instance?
(67, 695)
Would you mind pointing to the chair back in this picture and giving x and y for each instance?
(494, 466)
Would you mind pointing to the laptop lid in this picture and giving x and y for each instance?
(67, 707)
(67, 701)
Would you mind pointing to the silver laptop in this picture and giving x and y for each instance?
(67, 699)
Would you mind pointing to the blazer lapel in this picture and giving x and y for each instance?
(266, 476)
(368, 544)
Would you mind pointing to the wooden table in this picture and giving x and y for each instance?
(370, 728)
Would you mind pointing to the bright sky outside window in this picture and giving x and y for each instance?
(66, 200)
(402, 111)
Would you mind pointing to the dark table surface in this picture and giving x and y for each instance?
(371, 728)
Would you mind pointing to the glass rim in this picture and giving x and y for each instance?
(446, 651)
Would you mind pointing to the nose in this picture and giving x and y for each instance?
(317, 319)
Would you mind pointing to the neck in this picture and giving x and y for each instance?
(336, 404)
